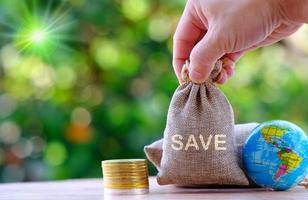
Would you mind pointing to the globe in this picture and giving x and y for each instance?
(275, 155)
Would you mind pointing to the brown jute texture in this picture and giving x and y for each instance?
(198, 146)
(154, 151)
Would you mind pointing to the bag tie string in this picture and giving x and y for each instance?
(214, 76)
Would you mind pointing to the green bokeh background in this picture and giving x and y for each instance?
(99, 86)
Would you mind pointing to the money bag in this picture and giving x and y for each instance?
(198, 143)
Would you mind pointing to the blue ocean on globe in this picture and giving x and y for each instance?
(275, 155)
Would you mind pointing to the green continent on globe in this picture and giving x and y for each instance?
(288, 158)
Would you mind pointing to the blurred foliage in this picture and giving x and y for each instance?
(83, 81)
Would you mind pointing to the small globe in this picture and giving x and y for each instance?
(275, 155)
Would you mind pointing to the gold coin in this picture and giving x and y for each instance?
(127, 183)
(123, 164)
(116, 168)
(123, 161)
(124, 177)
(112, 176)
(126, 186)
(131, 182)
(134, 179)
(132, 185)
(125, 172)
(120, 169)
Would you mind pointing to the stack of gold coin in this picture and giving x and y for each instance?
(126, 176)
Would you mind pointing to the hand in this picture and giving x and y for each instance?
(212, 29)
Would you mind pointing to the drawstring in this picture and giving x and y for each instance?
(185, 72)
(214, 76)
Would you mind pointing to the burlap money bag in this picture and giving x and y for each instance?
(154, 151)
(198, 146)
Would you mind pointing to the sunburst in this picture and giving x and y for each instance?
(38, 30)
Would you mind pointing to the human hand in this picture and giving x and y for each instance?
(213, 29)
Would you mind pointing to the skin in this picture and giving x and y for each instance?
(225, 29)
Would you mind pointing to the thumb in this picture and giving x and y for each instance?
(204, 56)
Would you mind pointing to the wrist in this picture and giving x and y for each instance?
(294, 10)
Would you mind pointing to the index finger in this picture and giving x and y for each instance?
(187, 34)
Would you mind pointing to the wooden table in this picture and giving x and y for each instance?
(91, 189)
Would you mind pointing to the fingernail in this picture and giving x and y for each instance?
(223, 78)
(230, 70)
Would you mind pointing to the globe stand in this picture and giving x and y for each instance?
(304, 183)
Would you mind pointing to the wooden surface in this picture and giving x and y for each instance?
(91, 189)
